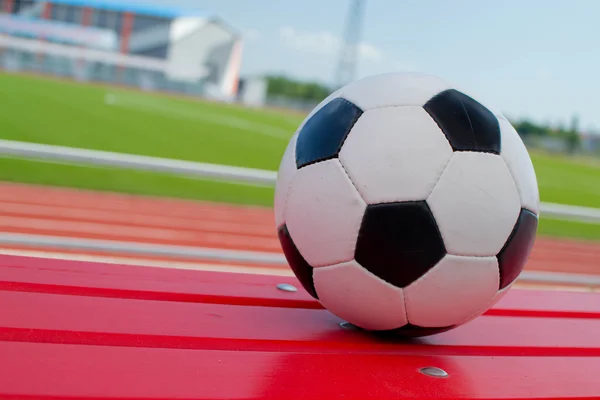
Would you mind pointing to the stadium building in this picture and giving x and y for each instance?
(150, 46)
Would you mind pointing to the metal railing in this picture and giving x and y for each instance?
(224, 255)
(248, 176)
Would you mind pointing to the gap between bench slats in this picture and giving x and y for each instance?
(140, 323)
(30, 274)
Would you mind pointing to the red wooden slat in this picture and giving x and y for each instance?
(234, 336)
(118, 270)
(127, 322)
(548, 303)
(126, 281)
(75, 372)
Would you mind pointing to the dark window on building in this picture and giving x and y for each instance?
(142, 22)
(100, 18)
(118, 23)
(57, 12)
(73, 15)
(19, 5)
(156, 52)
(111, 20)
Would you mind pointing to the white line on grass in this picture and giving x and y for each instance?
(168, 109)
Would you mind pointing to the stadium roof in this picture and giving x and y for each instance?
(138, 7)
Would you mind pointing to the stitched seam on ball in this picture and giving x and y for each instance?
(519, 191)
(364, 211)
(439, 178)
(471, 255)
(337, 263)
(383, 281)
(499, 275)
(394, 106)
(512, 176)
(419, 279)
(477, 151)
(362, 112)
(286, 196)
(288, 188)
(484, 308)
(405, 307)
(386, 283)
(351, 181)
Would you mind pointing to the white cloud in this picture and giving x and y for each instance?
(543, 74)
(370, 52)
(325, 50)
(252, 35)
(325, 43)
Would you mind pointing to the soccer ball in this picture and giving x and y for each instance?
(403, 204)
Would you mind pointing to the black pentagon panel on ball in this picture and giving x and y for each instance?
(467, 124)
(302, 270)
(513, 256)
(322, 136)
(399, 242)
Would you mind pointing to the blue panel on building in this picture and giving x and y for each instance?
(136, 7)
(58, 32)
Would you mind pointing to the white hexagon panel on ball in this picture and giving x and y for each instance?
(354, 294)
(475, 204)
(452, 291)
(395, 154)
(324, 213)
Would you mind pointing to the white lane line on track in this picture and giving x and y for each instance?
(222, 267)
(202, 254)
(198, 266)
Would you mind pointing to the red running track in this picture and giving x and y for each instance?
(108, 216)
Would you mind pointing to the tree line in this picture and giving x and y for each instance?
(569, 134)
(282, 86)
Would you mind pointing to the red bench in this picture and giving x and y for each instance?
(73, 330)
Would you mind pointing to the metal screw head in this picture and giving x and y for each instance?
(434, 371)
(286, 287)
(348, 325)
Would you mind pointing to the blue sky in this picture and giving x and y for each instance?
(530, 58)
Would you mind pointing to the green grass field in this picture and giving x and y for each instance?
(69, 114)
